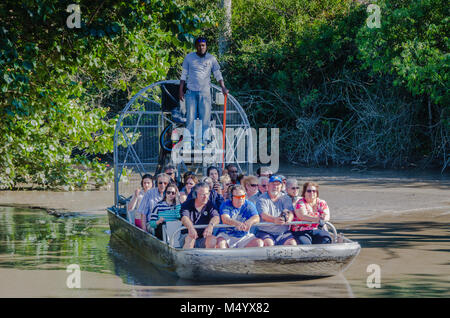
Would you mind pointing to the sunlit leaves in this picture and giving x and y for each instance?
(61, 87)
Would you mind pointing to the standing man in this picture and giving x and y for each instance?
(197, 69)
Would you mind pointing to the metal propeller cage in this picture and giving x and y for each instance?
(140, 146)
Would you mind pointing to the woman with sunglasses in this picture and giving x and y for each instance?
(311, 209)
(190, 181)
(225, 182)
(292, 191)
(250, 184)
(168, 209)
(152, 197)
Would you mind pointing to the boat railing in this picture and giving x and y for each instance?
(262, 224)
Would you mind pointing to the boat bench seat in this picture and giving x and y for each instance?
(168, 229)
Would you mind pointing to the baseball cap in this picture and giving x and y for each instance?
(275, 179)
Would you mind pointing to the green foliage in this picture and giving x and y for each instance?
(61, 87)
(293, 60)
(412, 44)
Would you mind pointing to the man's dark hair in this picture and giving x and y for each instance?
(169, 167)
(212, 168)
(146, 176)
(201, 39)
(231, 165)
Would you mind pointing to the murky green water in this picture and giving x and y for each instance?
(33, 239)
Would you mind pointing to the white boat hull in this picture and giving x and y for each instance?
(276, 262)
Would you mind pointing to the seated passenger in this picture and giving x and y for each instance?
(213, 173)
(168, 209)
(152, 197)
(215, 197)
(171, 171)
(292, 190)
(311, 209)
(189, 182)
(242, 215)
(264, 172)
(233, 173)
(250, 184)
(283, 183)
(225, 182)
(263, 182)
(274, 207)
(199, 211)
(134, 216)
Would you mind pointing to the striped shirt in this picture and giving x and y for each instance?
(166, 211)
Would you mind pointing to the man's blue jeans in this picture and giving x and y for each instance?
(198, 104)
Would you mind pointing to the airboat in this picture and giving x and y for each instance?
(146, 137)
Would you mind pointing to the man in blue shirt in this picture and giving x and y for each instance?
(242, 215)
(197, 69)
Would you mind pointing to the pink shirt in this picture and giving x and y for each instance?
(321, 209)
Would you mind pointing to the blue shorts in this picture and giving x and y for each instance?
(278, 239)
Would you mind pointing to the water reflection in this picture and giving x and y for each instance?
(32, 239)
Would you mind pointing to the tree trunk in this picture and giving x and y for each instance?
(225, 28)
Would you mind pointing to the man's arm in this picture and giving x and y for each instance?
(181, 91)
(224, 89)
(250, 222)
(226, 219)
(209, 229)
(218, 75)
(188, 224)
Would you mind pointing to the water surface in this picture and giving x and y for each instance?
(36, 248)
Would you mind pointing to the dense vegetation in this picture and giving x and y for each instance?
(61, 87)
(341, 92)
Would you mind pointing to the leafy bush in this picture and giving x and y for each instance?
(62, 87)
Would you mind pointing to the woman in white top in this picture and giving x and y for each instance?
(133, 215)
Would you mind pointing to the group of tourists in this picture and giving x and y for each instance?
(266, 200)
